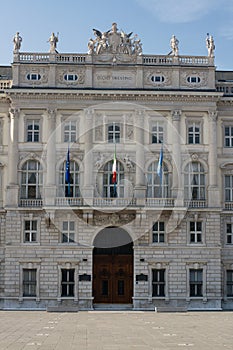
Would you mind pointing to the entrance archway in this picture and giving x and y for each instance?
(113, 267)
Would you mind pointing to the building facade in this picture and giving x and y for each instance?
(162, 235)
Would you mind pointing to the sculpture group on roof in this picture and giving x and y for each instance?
(114, 42)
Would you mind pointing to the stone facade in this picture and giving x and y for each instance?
(179, 221)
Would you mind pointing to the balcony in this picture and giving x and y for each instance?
(30, 203)
(229, 205)
(199, 203)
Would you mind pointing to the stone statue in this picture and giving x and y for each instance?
(126, 42)
(137, 45)
(91, 46)
(17, 40)
(174, 42)
(53, 40)
(210, 45)
(114, 38)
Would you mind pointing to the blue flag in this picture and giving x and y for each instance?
(67, 175)
(160, 164)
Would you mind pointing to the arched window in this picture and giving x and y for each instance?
(157, 187)
(71, 189)
(194, 181)
(31, 180)
(112, 190)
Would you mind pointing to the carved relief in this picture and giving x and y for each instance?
(199, 79)
(41, 75)
(71, 77)
(112, 219)
(158, 78)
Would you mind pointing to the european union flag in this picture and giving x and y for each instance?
(67, 175)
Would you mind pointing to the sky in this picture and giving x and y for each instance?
(155, 21)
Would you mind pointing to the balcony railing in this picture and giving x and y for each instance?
(159, 202)
(114, 202)
(31, 203)
(71, 201)
(229, 205)
(195, 203)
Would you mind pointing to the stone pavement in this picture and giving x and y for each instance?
(109, 330)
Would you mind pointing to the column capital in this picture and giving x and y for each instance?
(51, 113)
(89, 113)
(213, 115)
(176, 114)
(14, 112)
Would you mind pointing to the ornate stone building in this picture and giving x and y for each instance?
(160, 237)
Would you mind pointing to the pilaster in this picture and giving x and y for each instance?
(140, 187)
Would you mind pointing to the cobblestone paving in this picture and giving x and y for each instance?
(98, 330)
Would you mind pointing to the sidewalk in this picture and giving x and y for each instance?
(99, 330)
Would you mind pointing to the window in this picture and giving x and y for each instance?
(157, 187)
(70, 77)
(195, 229)
(193, 79)
(112, 190)
(230, 283)
(114, 133)
(72, 189)
(157, 78)
(229, 188)
(33, 131)
(29, 282)
(70, 131)
(196, 282)
(158, 283)
(157, 133)
(194, 178)
(30, 231)
(228, 136)
(67, 282)
(194, 133)
(68, 232)
(229, 233)
(33, 76)
(158, 232)
(32, 180)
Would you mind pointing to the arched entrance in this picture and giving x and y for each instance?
(113, 267)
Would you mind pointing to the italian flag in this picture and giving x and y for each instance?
(114, 174)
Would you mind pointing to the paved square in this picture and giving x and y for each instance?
(97, 330)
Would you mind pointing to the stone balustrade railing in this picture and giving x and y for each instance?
(226, 88)
(66, 58)
(5, 84)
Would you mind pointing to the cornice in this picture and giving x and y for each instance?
(114, 95)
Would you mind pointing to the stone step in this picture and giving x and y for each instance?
(62, 308)
(113, 307)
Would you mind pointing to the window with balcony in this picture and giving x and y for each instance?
(111, 189)
(157, 133)
(33, 131)
(228, 182)
(69, 188)
(114, 133)
(31, 180)
(194, 182)
(157, 186)
(70, 131)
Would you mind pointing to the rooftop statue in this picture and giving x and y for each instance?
(17, 40)
(210, 45)
(174, 42)
(53, 40)
(114, 42)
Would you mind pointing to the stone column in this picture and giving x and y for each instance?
(88, 188)
(13, 158)
(213, 190)
(50, 187)
(177, 187)
(140, 187)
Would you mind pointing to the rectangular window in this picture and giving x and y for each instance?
(158, 232)
(228, 188)
(33, 130)
(70, 131)
(157, 133)
(194, 133)
(29, 282)
(196, 282)
(230, 283)
(30, 231)
(195, 229)
(114, 134)
(67, 282)
(228, 136)
(158, 283)
(229, 234)
(68, 232)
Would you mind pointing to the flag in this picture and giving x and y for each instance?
(114, 174)
(160, 164)
(67, 175)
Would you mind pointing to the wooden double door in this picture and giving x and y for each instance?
(113, 278)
